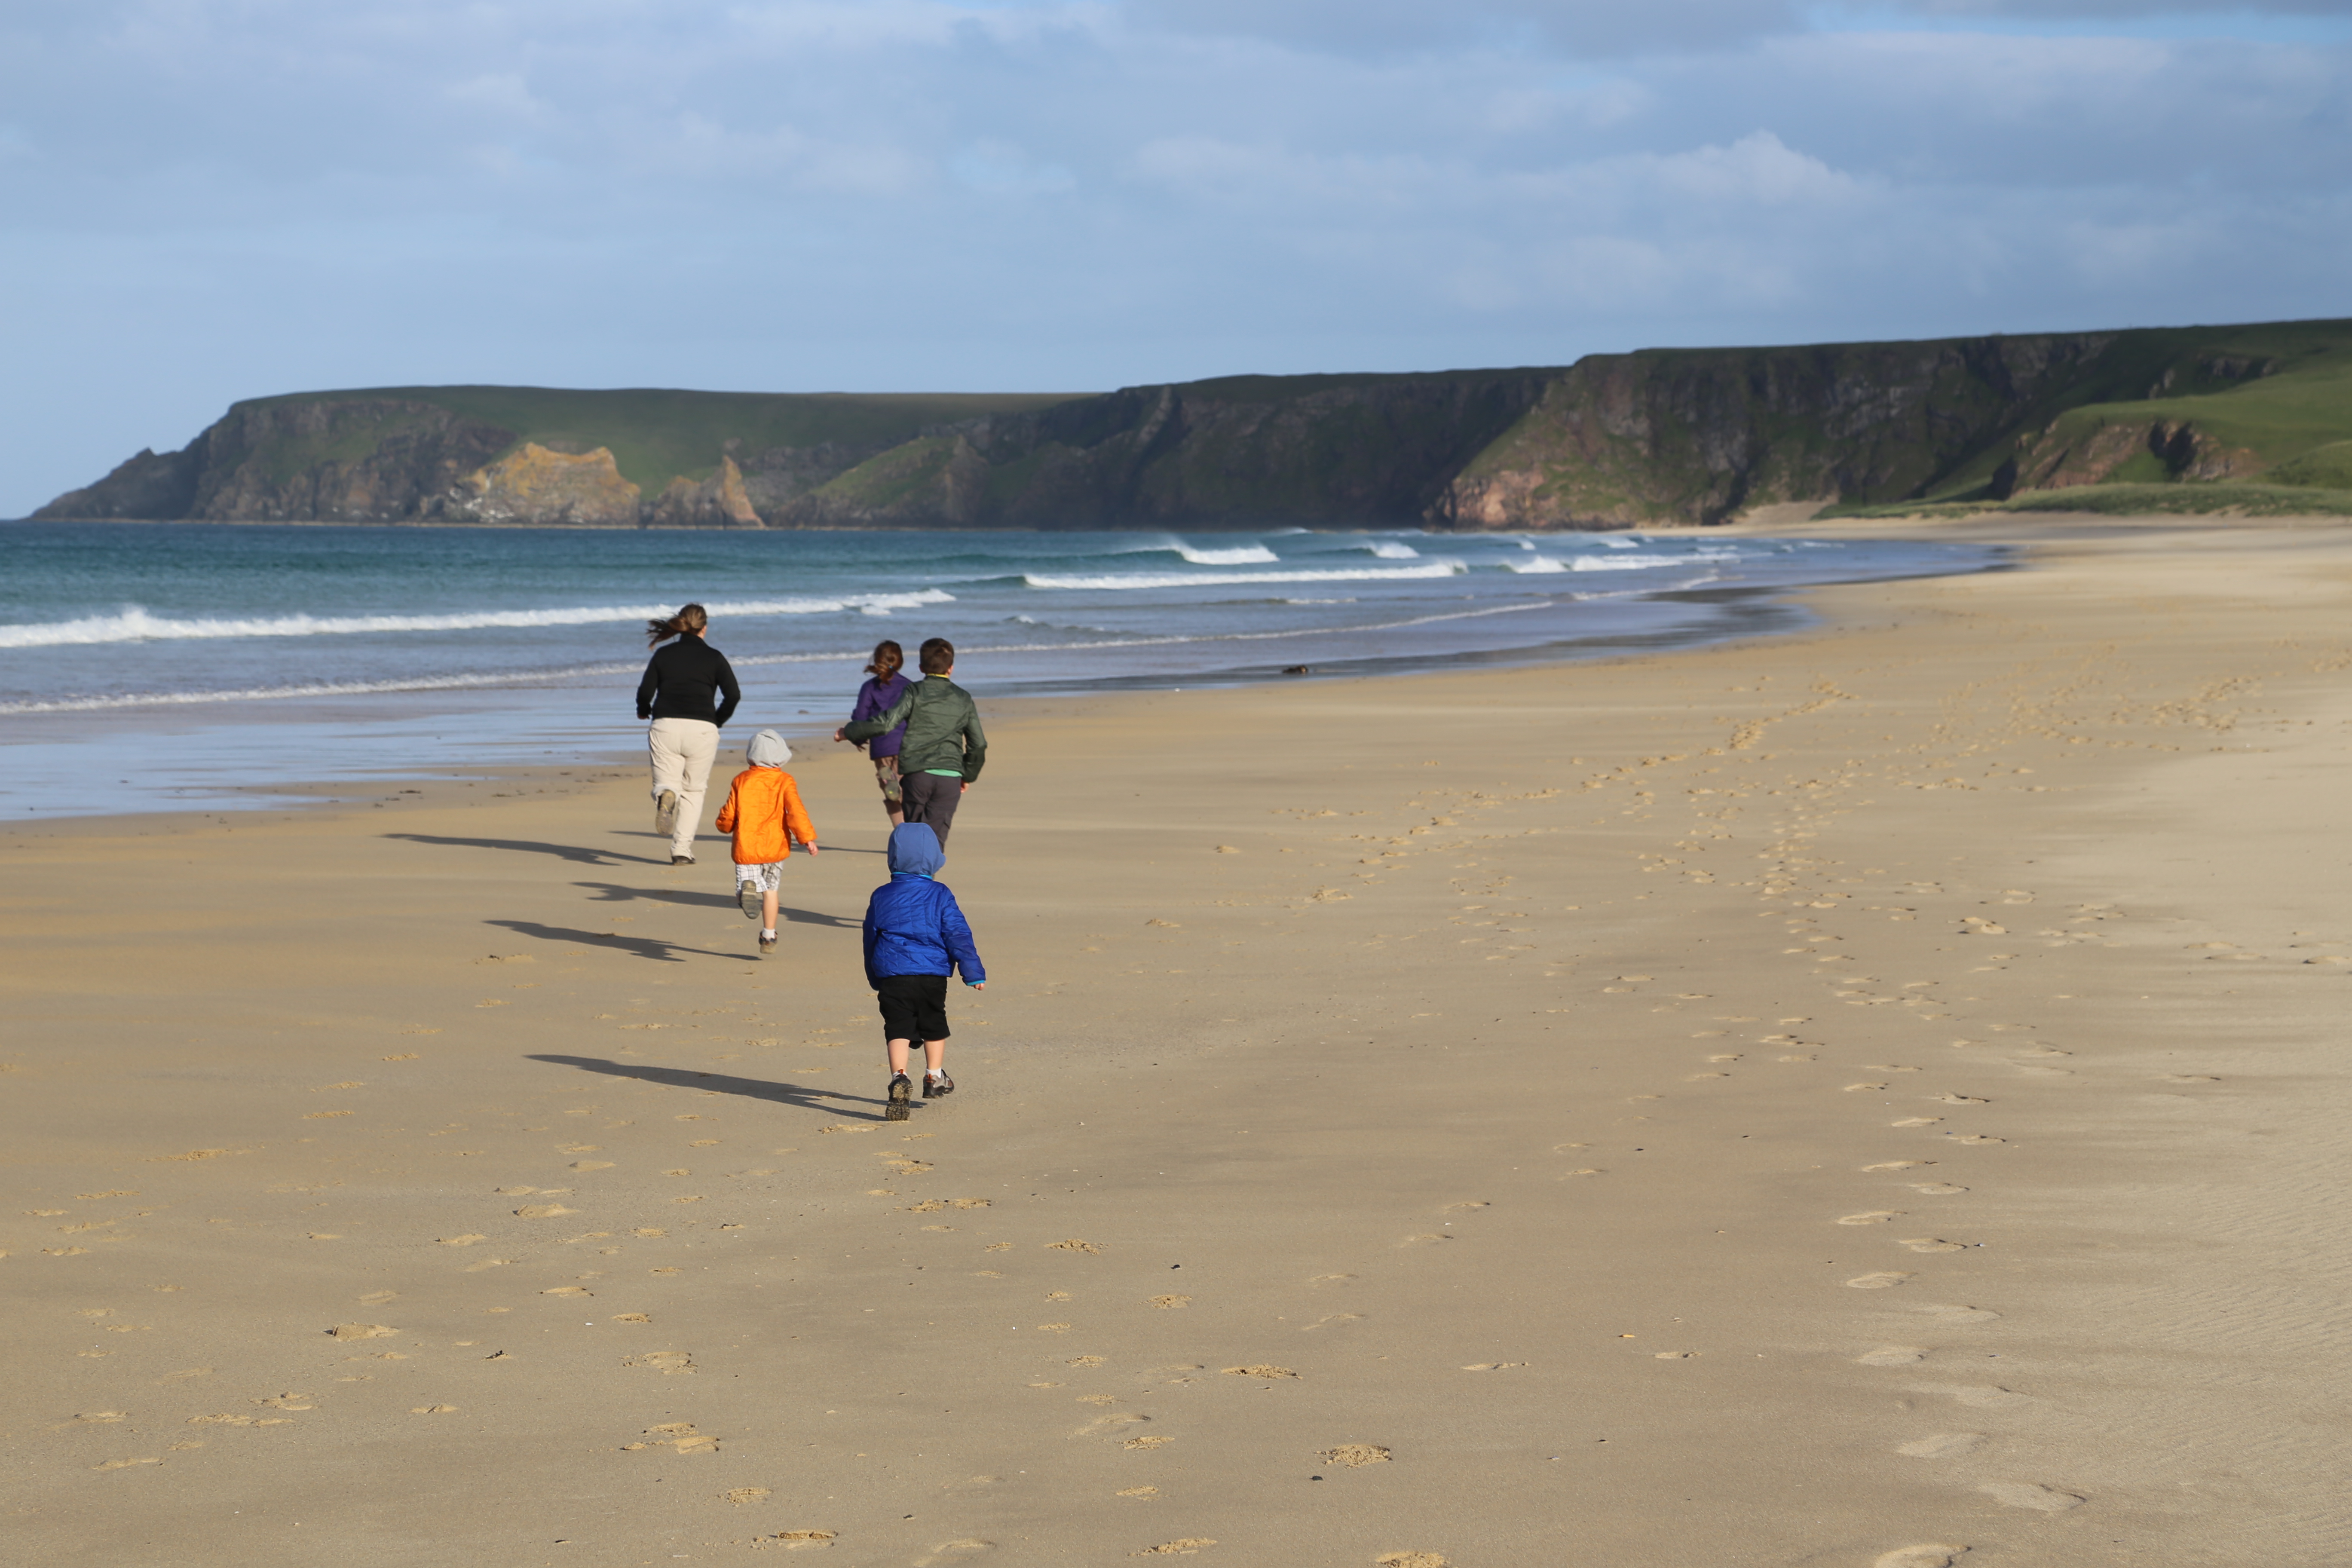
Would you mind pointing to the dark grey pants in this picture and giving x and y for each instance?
(932, 800)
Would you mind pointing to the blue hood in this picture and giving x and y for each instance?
(915, 850)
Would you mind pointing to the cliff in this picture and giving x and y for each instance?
(1656, 438)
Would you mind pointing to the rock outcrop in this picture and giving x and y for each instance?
(718, 501)
(536, 486)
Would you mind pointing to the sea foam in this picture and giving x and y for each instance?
(1125, 580)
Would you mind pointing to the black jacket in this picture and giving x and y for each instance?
(682, 679)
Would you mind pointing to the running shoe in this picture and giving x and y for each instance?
(666, 813)
(681, 860)
(747, 895)
(767, 945)
(937, 1084)
(902, 1090)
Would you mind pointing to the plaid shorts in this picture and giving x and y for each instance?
(768, 879)
(886, 773)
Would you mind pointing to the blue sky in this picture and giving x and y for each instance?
(213, 199)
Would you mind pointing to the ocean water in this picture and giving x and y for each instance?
(151, 666)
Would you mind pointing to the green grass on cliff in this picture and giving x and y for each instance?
(655, 434)
(2280, 391)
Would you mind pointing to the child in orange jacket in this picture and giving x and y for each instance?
(764, 811)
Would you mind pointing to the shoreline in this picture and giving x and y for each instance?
(443, 725)
(1884, 1069)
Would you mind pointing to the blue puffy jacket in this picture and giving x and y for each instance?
(912, 924)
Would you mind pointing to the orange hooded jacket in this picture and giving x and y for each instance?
(764, 806)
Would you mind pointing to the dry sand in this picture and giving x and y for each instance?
(1866, 1098)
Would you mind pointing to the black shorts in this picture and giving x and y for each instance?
(914, 1006)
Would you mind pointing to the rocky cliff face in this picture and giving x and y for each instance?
(1301, 450)
(350, 460)
(1622, 440)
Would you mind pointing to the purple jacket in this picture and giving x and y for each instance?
(874, 699)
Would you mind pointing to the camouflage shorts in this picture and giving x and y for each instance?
(886, 773)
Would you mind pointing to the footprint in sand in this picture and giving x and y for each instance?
(1891, 1355)
(1355, 1455)
(1932, 1555)
(1942, 1446)
(1929, 1244)
(1880, 1280)
(1943, 1311)
(1869, 1217)
(1413, 1560)
(1937, 1189)
(2026, 1494)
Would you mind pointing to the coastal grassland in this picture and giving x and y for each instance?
(653, 432)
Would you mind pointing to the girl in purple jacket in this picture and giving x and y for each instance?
(876, 698)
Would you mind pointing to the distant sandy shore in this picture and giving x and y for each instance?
(1403, 1115)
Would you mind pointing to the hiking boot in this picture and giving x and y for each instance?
(902, 1090)
(747, 895)
(767, 945)
(936, 1084)
(666, 813)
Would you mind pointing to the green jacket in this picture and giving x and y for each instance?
(942, 729)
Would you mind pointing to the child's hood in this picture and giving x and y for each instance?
(915, 850)
(768, 749)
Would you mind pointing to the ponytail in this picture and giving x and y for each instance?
(690, 619)
(889, 659)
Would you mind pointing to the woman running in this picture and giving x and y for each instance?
(688, 692)
(876, 698)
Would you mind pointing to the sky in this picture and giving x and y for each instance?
(204, 200)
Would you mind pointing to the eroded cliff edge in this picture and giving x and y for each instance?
(1656, 438)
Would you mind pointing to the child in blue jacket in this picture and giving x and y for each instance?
(914, 938)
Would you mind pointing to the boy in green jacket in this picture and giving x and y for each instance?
(945, 747)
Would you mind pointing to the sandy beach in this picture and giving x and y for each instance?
(1862, 1098)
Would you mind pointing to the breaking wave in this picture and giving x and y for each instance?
(1111, 582)
(135, 624)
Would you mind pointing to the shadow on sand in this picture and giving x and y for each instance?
(830, 1101)
(615, 893)
(612, 942)
(578, 854)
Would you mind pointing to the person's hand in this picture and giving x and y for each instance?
(967, 788)
(810, 848)
(839, 736)
(977, 984)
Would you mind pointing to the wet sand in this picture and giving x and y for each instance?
(1865, 1098)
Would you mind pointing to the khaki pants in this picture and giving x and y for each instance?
(682, 751)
